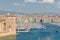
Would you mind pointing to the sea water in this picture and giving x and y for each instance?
(52, 32)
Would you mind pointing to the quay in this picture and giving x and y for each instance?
(7, 34)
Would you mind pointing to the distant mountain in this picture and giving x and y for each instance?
(5, 12)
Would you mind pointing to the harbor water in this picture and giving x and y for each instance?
(51, 32)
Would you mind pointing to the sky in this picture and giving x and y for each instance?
(30, 6)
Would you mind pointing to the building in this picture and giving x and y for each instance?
(8, 23)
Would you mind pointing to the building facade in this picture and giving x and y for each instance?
(8, 23)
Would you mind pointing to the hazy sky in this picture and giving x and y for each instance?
(30, 6)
